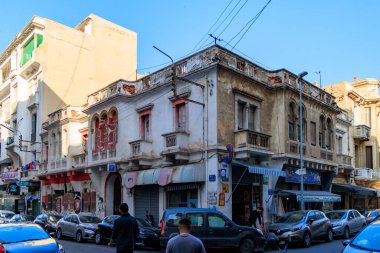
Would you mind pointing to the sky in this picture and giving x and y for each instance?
(339, 38)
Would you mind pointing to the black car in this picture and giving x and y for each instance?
(23, 237)
(214, 229)
(48, 221)
(149, 236)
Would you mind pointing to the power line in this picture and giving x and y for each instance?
(232, 19)
(205, 35)
(252, 22)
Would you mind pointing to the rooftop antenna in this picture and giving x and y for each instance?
(320, 78)
(215, 38)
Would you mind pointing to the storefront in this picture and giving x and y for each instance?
(356, 197)
(146, 202)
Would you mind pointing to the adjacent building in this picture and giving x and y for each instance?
(45, 68)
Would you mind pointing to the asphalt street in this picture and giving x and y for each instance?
(90, 247)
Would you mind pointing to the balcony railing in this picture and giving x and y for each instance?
(79, 160)
(135, 147)
(249, 138)
(363, 173)
(178, 139)
(294, 147)
(362, 132)
(344, 159)
(327, 155)
(143, 147)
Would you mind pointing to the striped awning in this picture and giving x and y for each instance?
(314, 196)
(264, 170)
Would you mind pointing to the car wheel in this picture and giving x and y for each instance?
(246, 246)
(98, 238)
(59, 234)
(78, 236)
(329, 236)
(306, 241)
(346, 233)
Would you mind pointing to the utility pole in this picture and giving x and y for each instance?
(173, 71)
(302, 171)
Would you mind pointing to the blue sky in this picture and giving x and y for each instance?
(338, 37)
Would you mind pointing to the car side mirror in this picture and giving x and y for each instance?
(346, 242)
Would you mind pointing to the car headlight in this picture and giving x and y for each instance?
(60, 249)
(142, 232)
(260, 232)
(88, 231)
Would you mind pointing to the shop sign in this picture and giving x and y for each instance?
(212, 178)
(270, 192)
(111, 167)
(24, 189)
(10, 175)
(165, 177)
(22, 183)
(13, 188)
(311, 176)
(225, 188)
(224, 172)
(130, 179)
(212, 198)
(222, 199)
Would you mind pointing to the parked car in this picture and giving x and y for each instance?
(18, 218)
(213, 228)
(372, 215)
(6, 215)
(48, 222)
(78, 226)
(22, 237)
(346, 222)
(302, 227)
(149, 236)
(366, 241)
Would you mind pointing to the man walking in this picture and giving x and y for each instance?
(257, 218)
(185, 242)
(125, 231)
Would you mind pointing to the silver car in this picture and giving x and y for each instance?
(302, 227)
(78, 226)
(346, 222)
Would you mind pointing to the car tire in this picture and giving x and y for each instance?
(79, 236)
(346, 233)
(329, 235)
(306, 240)
(98, 238)
(246, 246)
(59, 234)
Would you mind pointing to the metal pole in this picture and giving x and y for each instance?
(301, 137)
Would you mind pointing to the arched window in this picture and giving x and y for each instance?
(95, 140)
(103, 128)
(322, 132)
(329, 130)
(112, 127)
(292, 121)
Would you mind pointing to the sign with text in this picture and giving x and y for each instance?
(22, 183)
(111, 167)
(311, 176)
(10, 175)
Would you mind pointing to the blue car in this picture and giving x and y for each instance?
(27, 238)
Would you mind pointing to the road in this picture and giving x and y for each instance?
(90, 247)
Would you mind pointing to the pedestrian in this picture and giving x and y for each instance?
(256, 218)
(185, 242)
(125, 231)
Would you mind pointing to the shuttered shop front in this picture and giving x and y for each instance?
(146, 199)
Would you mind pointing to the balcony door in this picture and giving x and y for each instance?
(368, 157)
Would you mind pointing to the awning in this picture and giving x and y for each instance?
(344, 188)
(188, 173)
(314, 196)
(264, 170)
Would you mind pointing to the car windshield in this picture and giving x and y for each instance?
(13, 234)
(292, 217)
(336, 215)
(143, 223)
(368, 239)
(89, 219)
(54, 218)
(6, 215)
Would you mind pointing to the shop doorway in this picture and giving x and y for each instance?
(113, 194)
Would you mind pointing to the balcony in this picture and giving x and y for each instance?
(363, 174)
(33, 101)
(30, 67)
(141, 154)
(327, 155)
(103, 155)
(362, 132)
(79, 160)
(344, 160)
(294, 147)
(250, 143)
(176, 146)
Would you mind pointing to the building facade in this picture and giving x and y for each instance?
(46, 67)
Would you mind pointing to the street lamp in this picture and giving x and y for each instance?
(301, 170)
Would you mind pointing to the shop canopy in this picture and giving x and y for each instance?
(313, 196)
(344, 188)
(264, 170)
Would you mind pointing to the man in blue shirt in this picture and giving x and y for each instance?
(185, 242)
(125, 231)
